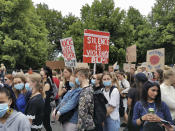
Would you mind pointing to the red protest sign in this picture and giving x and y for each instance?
(68, 52)
(96, 47)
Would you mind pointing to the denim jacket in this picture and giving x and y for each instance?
(69, 102)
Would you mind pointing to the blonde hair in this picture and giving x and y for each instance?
(35, 77)
(168, 73)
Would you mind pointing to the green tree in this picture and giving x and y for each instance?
(23, 36)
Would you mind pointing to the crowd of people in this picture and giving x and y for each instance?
(137, 100)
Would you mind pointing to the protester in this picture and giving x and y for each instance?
(8, 79)
(47, 89)
(86, 102)
(10, 119)
(19, 90)
(146, 72)
(64, 85)
(112, 122)
(134, 95)
(35, 107)
(150, 110)
(67, 110)
(124, 88)
(110, 69)
(100, 102)
(57, 82)
(2, 72)
(158, 76)
(168, 91)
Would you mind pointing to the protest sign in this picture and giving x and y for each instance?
(155, 59)
(131, 55)
(68, 52)
(82, 65)
(55, 64)
(96, 46)
(127, 67)
(116, 66)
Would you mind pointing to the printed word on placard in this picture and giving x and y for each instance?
(96, 47)
(68, 52)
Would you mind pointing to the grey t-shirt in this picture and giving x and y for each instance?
(16, 122)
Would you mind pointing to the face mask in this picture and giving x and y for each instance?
(19, 86)
(77, 81)
(71, 84)
(93, 81)
(27, 86)
(3, 109)
(107, 83)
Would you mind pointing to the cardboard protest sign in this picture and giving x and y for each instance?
(116, 66)
(68, 52)
(96, 47)
(82, 65)
(155, 59)
(55, 64)
(131, 55)
(127, 67)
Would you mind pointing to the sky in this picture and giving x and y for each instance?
(74, 6)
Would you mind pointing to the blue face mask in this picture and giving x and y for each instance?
(71, 84)
(93, 81)
(107, 83)
(77, 81)
(27, 86)
(3, 109)
(19, 86)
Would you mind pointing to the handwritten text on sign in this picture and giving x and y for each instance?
(68, 52)
(96, 47)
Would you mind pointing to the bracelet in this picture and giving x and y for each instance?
(141, 119)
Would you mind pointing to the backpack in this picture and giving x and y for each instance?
(99, 107)
(54, 88)
(121, 107)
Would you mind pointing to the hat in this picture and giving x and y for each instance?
(141, 77)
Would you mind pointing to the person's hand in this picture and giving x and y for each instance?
(155, 118)
(55, 116)
(147, 117)
(168, 128)
(64, 90)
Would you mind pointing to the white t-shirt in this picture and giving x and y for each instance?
(126, 85)
(114, 101)
(168, 96)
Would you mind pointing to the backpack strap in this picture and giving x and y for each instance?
(110, 92)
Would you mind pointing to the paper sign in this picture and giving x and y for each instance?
(156, 59)
(55, 64)
(131, 55)
(127, 67)
(96, 47)
(68, 52)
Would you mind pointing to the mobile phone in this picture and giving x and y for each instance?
(165, 123)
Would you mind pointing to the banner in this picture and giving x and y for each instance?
(68, 52)
(131, 55)
(127, 67)
(55, 64)
(96, 47)
(156, 59)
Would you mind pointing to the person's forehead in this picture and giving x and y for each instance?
(3, 97)
(17, 79)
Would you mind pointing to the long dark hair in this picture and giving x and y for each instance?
(144, 95)
(161, 77)
(5, 89)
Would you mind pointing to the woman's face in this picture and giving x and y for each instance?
(4, 99)
(153, 92)
(72, 79)
(106, 78)
(33, 86)
(17, 81)
(7, 81)
(66, 73)
(156, 75)
(119, 76)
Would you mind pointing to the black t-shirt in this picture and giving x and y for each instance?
(35, 111)
(133, 94)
